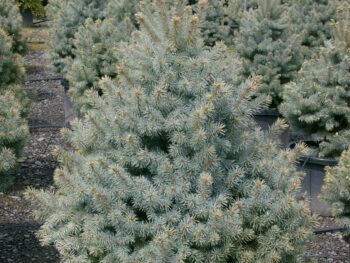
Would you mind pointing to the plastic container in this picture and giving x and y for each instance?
(266, 118)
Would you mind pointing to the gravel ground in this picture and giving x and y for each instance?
(329, 247)
(17, 227)
(18, 243)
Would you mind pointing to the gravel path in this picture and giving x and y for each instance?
(18, 243)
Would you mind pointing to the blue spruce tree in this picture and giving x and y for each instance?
(13, 127)
(169, 166)
(95, 52)
(316, 104)
(267, 47)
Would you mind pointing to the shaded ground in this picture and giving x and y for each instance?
(18, 242)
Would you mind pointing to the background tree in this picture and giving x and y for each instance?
(317, 103)
(336, 190)
(10, 22)
(169, 166)
(13, 127)
(65, 20)
(96, 50)
(267, 47)
(36, 7)
(311, 19)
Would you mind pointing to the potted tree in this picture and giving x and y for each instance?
(317, 106)
(336, 191)
(10, 22)
(95, 52)
(13, 128)
(267, 47)
(312, 19)
(30, 9)
(169, 167)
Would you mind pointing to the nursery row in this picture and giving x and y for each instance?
(168, 163)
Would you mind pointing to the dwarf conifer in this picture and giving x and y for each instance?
(268, 48)
(13, 127)
(10, 22)
(336, 190)
(317, 103)
(169, 166)
(96, 50)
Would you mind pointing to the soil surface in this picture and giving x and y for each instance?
(18, 243)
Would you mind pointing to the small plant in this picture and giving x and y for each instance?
(267, 47)
(169, 166)
(10, 22)
(336, 190)
(317, 103)
(35, 6)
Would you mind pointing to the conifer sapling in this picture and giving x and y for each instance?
(336, 190)
(317, 103)
(169, 166)
(96, 50)
(10, 22)
(311, 19)
(65, 19)
(268, 48)
(13, 127)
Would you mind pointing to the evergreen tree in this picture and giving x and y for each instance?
(10, 22)
(11, 64)
(66, 18)
(13, 132)
(311, 19)
(222, 19)
(267, 48)
(336, 190)
(13, 128)
(317, 103)
(169, 167)
(96, 50)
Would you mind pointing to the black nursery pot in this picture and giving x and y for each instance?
(312, 184)
(266, 118)
(68, 108)
(27, 18)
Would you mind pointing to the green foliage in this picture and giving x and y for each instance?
(311, 19)
(268, 48)
(317, 103)
(13, 128)
(65, 19)
(169, 166)
(13, 132)
(11, 64)
(35, 6)
(222, 19)
(10, 22)
(96, 50)
(336, 189)
(219, 20)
